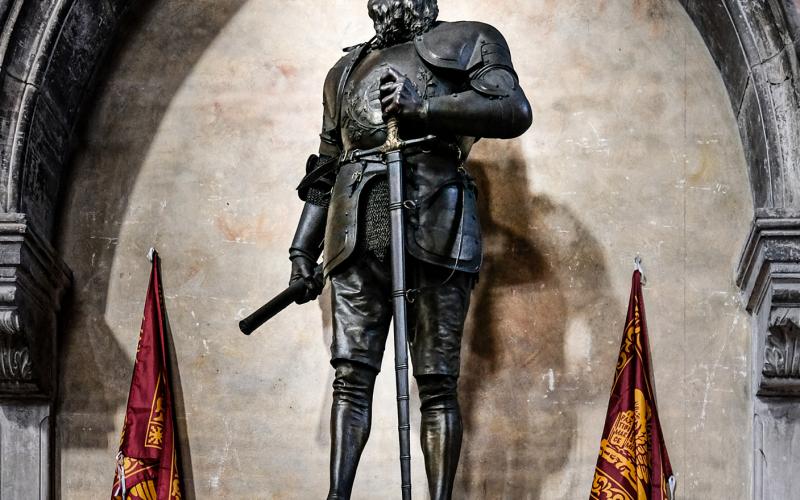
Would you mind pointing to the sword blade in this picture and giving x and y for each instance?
(394, 164)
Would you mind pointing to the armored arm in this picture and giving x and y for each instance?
(315, 191)
(474, 114)
(308, 237)
(490, 103)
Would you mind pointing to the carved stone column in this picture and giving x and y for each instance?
(50, 51)
(32, 282)
(770, 276)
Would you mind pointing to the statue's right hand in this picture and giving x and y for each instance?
(303, 268)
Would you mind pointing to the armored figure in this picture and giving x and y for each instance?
(455, 81)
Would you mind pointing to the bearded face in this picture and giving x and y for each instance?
(398, 21)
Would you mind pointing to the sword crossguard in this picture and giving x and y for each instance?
(393, 143)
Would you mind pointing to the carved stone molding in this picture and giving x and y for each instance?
(15, 355)
(32, 282)
(770, 257)
(781, 368)
(769, 276)
(15, 361)
(782, 352)
(9, 322)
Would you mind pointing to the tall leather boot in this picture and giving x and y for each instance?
(440, 433)
(351, 417)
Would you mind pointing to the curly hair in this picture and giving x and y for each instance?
(397, 21)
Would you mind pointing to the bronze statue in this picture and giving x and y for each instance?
(454, 81)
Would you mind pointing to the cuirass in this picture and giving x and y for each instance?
(442, 226)
(362, 125)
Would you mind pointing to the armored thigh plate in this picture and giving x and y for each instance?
(341, 231)
(443, 226)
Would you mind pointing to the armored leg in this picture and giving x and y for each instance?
(351, 417)
(437, 322)
(440, 432)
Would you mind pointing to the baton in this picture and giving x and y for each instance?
(294, 292)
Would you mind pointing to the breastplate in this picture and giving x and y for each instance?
(443, 228)
(362, 125)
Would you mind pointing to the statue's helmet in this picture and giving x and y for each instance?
(397, 21)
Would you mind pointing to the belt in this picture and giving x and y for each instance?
(332, 165)
(446, 148)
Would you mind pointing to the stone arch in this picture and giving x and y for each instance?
(52, 50)
(755, 46)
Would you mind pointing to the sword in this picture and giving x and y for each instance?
(392, 151)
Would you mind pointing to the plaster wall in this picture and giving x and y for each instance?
(198, 136)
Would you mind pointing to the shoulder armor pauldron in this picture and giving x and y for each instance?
(473, 48)
(463, 46)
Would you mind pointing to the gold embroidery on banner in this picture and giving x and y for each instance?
(632, 336)
(145, 491)
(175, 482)
(629, 447)
(603, 488)
(620, 460)
(134, 466)
(155, 426)
(621, 435)
(643, 443)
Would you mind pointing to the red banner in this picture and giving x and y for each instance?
(147, 463)
(633, 462)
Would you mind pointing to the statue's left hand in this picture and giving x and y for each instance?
(400, 97)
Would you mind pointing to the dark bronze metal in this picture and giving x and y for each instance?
(392, 150)
(455, 81)
(394, 163)
(294, 292)
(439, 87)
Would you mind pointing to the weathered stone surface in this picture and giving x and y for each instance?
(32, 280)
(751, 126)
(25, 466)
(777, 443)
(764, 36)
(770, 279)
(754, 45)
(84, 36)
(214, 107)
(29, 34)
(714, 21)
(770, 254)
(49, 53)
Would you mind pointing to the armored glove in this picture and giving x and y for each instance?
(400, 97)
(303, 268)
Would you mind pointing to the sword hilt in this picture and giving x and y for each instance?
(393, 142)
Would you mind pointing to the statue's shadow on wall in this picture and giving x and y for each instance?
(539, 341)
(537, 333)
(95, 371)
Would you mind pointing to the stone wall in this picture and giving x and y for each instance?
(197, 138)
